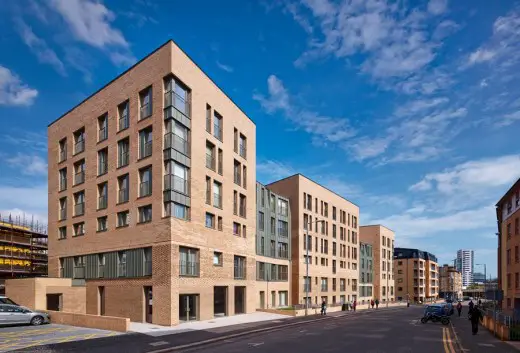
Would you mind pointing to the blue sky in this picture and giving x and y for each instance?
(411, 109)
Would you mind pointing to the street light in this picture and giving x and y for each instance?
(307, 285)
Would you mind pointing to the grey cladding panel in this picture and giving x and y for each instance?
(92, 266)
(68, 267)
(171, 112)
(171, 153)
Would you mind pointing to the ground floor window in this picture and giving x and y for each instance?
(282, 298)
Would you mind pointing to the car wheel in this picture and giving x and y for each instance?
(423, 320)
(445, 321)
(37, 320)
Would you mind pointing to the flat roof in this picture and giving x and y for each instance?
(377, 225)
(140, 61)
(508, 192)
(315, 182)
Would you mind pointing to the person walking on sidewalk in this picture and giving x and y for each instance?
(377, 303)
(354, 303)
(471, 305)
(372, 303)
(475, 317)
(323, 308)
(459, 308)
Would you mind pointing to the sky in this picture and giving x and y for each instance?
(409, 109)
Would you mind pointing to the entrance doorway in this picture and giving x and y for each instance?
(220, 301)
(101, 300)
(240, 300)
(262, 300)
(148, 304)
(54, 302)
(188, 307)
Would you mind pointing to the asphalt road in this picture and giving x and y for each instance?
(396, 331)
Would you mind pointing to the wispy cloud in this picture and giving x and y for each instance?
(224, 67)
(13, 91)
(29, 140)
(27, 164)
(437, 7)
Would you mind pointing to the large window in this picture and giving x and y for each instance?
(283, 229)
(123, 184)
(217, 129)
(123, 152)
(124, 117)
(79, 203)
(123, 218)
(283, 207)
(177, 95)
(217, 194)
(145, 214)
(239, 263)
(103, 196)
(103, 161)
(103, 127)
(145, 142)
(261, 221)
(188, 262)
(177, 137)
(177, 177)
(145, 186)
(145, 100)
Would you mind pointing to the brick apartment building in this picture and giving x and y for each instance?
(508, 221)
(332, 223)
(152, 195)
(416, 274)
(382, 241)
(366, 273)
(450, 282)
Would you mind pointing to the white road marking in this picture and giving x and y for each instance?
(256, 344)
(160, 343)
(486, 345)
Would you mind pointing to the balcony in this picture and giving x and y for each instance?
(173, 99)
(103, 134)
(79, 209)
(210, 161)
(189, 269)
(63, 214)
(173, 182)
(145, 111)
(79, 178)
(177, 143)
(239, 272)
(123, 195)
(145, 189)
(79, 272)
(102, 202)
(146, 149)
(79, 146)
(123, 122)
(63, 155)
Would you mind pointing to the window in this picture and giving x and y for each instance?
(79, 203)
(145, 142)
(243, 146)
(517, 281)
(145, 214)
(79, 141)
(177, 95)
(210, 220)
(176, 177)
(63, 179)
(62, 233)
(145, 187)
(282, 298)
(124, 116)
(217, 194)
(210, 156)
(79, 229)
(123, 152)
(177, 137)
(208, 190)
(220, 158)
(189, 262)
(283, 207)
(509, 284)
(121, 264)
(272, 203)
(283, 229)
(508, 256)
(273, 226)
(237, 172)
(62, 150)
(123, 183)
(102, 128)
(79, 172)
(123, 218)
(244, 177)
(333, 213)
(309, 202)
(236, 229)
(235, 140)
(305, 221)
(62, 209)
(283, 251)
(208, 118)
(242, 212)
(217, 258)
(235, 202)
(324, 284)
(103, 196)
(239, 264)
(244, 231)
(176, 210)
(219, 223)
(102, 224)
(217, 127)
(103, 161)
(261, 221)
(145, 100)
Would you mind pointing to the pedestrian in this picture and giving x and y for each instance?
(377, 303)
(471, 305)
(459, 308)
(372, 303)
(479, 302)
(475, 317)
(323, 308)
(354, 303)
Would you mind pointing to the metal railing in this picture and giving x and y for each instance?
(146, 149)
(176, 101)
(173, 182)
(102, 202)
(145, 111)
(79, 146)
(239, 272)
(63, 214)
(124, 159)
(79, 272)
(145, 188)
(79, 178)
(63, 184)
(187, 268)
(103, 134)
(63, 155)
(123, 195)
(217, 200)
(176, 142)
(123, 122)
(210, 161)
(79, 209)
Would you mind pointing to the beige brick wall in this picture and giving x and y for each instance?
(21, 291)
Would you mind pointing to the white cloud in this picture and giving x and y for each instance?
(437, 7)
(27, 139)
(366, 148)
(224, 67)
(38, 221)
(483, 83)
(444, 29)
(419, 105)
(509, 119)
(481, 55)
(90, 22)
(27, 164)
(323, 128)
(270, 170)
(13, 91)
(32, 200)
(122, 59)
(39, 47)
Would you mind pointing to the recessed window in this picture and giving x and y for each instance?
(123, 152)
(145, 214)
(210, 156)
(210, 220)
(145, 142)
(236, 229)
(123, 218)
(102, 224)
(62, 150)
(219, 223)
(79, 203)
(103, 196)
(103, 161)
(145, 186)
(79, 141)
(63, 209)
(102, 128)
(188, 262)
(124, 116)
(79, 229)
(123, 183)
(79, 172)
(217, 258)
(217, 126)
(62, 233)
(217, 194)
(63, 179)
(145, 100)
(242, 146)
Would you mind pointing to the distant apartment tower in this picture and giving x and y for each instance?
(331, 222)
(366, 273)
(465, 265)
(508, 221)
(416, 275)
(382, 240)
(152, 195)
(273, 247)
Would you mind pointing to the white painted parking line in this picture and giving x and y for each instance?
(486, 345)
(160, 343)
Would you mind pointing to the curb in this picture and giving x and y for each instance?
(457, 341)
(240, 334)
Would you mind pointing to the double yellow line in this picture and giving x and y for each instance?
(447, 341)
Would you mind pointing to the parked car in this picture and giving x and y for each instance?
(442, 309)
(5, 300)
(15, 315)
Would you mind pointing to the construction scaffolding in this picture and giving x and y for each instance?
(23, 249)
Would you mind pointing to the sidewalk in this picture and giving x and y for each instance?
(483, 342)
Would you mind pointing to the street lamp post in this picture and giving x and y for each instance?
(307, 285)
